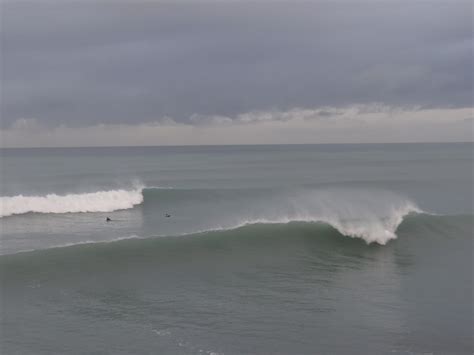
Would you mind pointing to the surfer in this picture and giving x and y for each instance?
(167, 215)
(108, 219)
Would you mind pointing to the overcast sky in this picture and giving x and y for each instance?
(151, 73)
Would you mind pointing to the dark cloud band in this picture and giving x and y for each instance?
(82, 63)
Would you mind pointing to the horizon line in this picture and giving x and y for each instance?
(235, 145)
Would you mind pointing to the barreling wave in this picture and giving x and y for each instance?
(100, 201)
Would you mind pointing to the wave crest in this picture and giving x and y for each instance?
(373, 230)
(373, 216)
(100, 201)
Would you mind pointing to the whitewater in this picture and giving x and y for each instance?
(100, 201)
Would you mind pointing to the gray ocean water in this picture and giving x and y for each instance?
(306, 249)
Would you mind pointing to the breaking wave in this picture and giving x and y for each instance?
(372, 215)
(100, 201)
(250, 235)
(371, 229)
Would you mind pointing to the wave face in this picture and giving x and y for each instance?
(100, 201)
(372, 215)
(371, 229)
(267, 237)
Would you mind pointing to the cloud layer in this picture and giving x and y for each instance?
(83, 64)
(356, 124)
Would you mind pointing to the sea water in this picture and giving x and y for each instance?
(301, 249)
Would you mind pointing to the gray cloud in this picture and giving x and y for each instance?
(82, 63)
(354, 124)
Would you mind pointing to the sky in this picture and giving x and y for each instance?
(101, 73)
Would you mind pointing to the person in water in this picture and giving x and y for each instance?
(167, 215)
(108, 219)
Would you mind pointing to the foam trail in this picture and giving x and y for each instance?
(100, 201)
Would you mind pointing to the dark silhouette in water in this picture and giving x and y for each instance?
(108, 219)
(167, 215)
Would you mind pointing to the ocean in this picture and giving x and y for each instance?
(283, 249)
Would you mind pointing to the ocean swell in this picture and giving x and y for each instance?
(372, 229)
(100, 201)
(254, 231)
(372, 215)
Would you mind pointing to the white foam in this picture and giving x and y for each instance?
(373, 216)
(100, 201)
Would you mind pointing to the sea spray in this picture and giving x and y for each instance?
(373, 215)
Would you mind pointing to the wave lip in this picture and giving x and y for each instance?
(100, 201)
(372, 216)
(374, 230)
